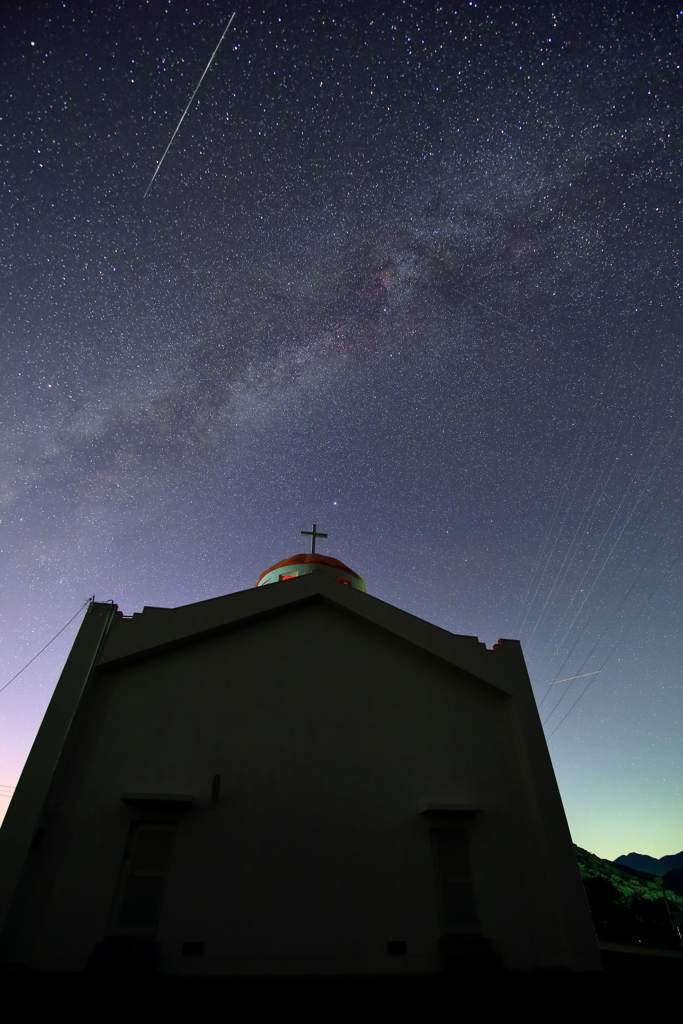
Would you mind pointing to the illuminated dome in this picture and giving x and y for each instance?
(301, 565)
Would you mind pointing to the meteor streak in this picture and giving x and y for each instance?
(569, 678)
(225, 32)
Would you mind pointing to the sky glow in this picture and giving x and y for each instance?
(410, 271)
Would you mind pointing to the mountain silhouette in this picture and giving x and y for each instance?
(653, 866)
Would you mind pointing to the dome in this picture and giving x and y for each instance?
(301, 565)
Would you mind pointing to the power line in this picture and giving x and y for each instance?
(629, 627)
(568, 561)
(601, 403)
(551, 529)
(622, 437)
(618, 609)
(662, 536)
(557, 531)
(46, 646)
(630, 515)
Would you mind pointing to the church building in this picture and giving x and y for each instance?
(296, 779)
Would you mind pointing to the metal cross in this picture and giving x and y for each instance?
(312, 534)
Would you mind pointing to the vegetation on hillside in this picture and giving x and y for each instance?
(627, 905)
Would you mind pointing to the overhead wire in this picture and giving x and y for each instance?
(648, 557)
(552, 531)
(621, 532)
(559, 530)
(611, 620)
(604, 565)
(605, 562)
(608, 460)
(601, 402)
(16, 676)
(633, 621)
(566, 564)
(568, 561)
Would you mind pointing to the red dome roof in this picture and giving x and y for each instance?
(301, 559)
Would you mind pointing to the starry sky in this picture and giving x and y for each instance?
(410, 271)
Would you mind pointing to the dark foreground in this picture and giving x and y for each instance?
(628, 978)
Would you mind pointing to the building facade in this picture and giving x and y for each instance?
(298, 779)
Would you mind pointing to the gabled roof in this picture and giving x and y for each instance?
(155, 630)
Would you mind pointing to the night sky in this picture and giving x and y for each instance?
(409, 271)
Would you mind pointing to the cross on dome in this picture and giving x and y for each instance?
(302, 565)
(312, 534)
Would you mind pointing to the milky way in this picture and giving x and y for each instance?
(408, 271)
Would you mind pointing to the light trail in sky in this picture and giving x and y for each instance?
(569, 678)
(158, 167)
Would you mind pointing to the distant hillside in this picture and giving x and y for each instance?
(674, 880)
(641, 862)
(626, 904)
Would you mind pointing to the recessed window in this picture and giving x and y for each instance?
(143, 877)
(454, 877)
(289, 575)
(397, 948)
(346, 583)
(193, 949)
